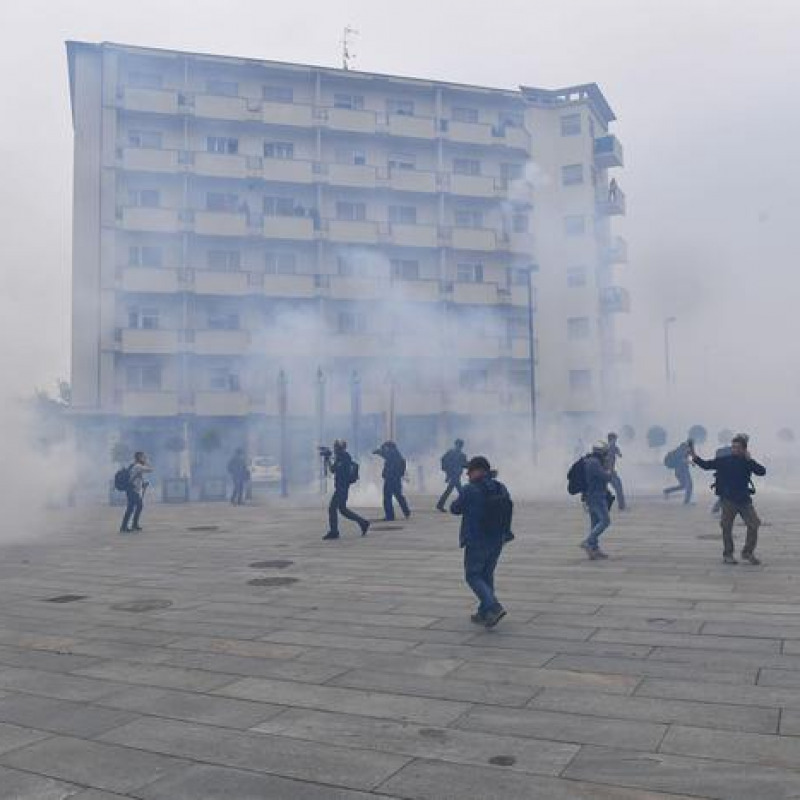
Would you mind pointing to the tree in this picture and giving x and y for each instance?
(656, 436)
(698, 434)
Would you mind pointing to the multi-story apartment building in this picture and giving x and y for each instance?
(243, 228)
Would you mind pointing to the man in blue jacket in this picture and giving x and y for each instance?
(485, 507)
(341, 467)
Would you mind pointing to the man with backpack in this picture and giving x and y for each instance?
(734, 487)
(131, 481)
(678, 461)
(394, 468)
(595, 480)
(240, 474)
(345, 473)
(485, 507)
(453, 463)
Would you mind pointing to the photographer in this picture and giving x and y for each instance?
(134, 491)
(394, 468)
(345, 472)
(733, 486)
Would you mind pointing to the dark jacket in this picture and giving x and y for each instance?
(237, 468)
(454, 462)
(469, 505)
(597, 477)
(341, 467)
(733, 476)
(394, 465)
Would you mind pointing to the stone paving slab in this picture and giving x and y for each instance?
(658, 674)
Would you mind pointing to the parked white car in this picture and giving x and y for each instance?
(265, 469)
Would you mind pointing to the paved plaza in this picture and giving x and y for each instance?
(229, 653)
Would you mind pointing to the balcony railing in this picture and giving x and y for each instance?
(608, 152)
(617, 251)
(612, 202)
(614, 300)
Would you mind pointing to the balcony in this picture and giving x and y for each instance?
(519, 295)
(143, 159)
(357, 231)
(288, 114)
(615, 300)
(149, 404)
(354, 345)
(221, 342)
(218, 165)
(513, 137)
(221, 107)
(292, 228)
(154, 220)
(409, 180)
(414, 235)
(414, 127)
(287, 171)
(153, 101)
(349, 119)
(220, 223)
(221, 404)
(611, 203)
(616, 252)
(519, 243)
(469, 132)
(151, 341)
(475, 402)
(473, 239)
(422, 291)
(358, 175)
(149, 279)
(351, 288)
(475, 294)
(215, 282)
(608, 152)
(290, 286)
(472, 185)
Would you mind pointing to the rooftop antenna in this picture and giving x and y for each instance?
(347, 55)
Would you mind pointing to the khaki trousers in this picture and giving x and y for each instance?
(730, 510)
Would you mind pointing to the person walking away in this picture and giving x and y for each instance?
(734, 487)
(134, 491)
(394, 468)
(678, 460)
(454, 461)
(240, 474)
(616, 482)
(345, 473)
(486, 509)
(597, 478)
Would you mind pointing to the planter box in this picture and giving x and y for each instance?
(175, 490)
(215, 489)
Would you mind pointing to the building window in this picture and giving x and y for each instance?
(512, 119)
(143, 378)
(572, 175)
(519, 276)
(278, 94)
(575, 225)
(345, 155)
(520, 378)
(224, 260)
(469, 218)
(222, 201)
(404, 108)
(466, 166)
(280, 263)
(571, 125)
(578, 328)
(222, 88)
(405, 269)
(223, 321)
(402, 161)
(224, 145)
(517, 328)
(465, 114)
(469, 273)
(145, 256)
(576, 277)
(520, 222)
(146, 80)
(279, 207)
(144, 318)
(148, 139)
(144, 198)
(406, 215)
(354, 102)
(473, 379)
(351, 322)
(283, 150)
(580, 380)
(512, 171)
(351, 212)
(221, 379)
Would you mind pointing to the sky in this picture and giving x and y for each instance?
(706, 95)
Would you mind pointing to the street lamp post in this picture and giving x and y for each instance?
(668, 321)
(323, 478)
(532, 364)
(283, 406)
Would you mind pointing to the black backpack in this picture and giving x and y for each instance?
(354, 472)
(122, 479)
(498, 510)
(576, 478)
(672, 459)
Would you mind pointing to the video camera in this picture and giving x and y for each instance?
(325, 452)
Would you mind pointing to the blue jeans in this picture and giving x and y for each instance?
(480, 562)
(599, 518)
(616, 485)
(685, 484)
(339, 504)
(133, 510)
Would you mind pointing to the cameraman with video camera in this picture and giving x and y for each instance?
(345, 472)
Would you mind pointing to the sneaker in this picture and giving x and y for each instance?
(666, 494)
(330, 536)
(600, 554)
(729, 560)
(596, 555)
(478, 619)
(751, 559)
(365, 527)
(124, 530)
(137, 528)
(442, 509)
(493, 617)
